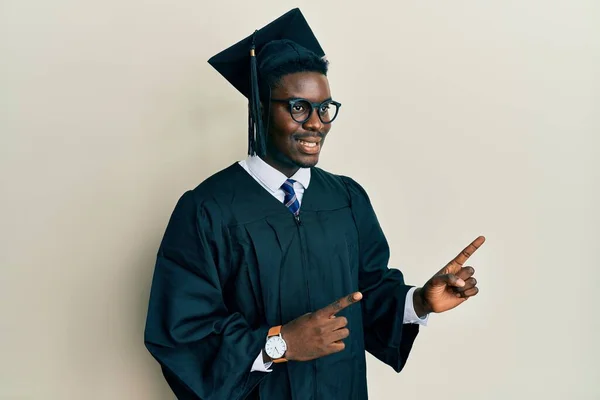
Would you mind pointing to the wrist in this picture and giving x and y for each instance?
(420, 304)
(285, 336)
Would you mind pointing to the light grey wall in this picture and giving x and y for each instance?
(459, 117)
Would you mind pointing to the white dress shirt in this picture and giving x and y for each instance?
(272, 180)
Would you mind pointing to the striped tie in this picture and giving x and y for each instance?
(290, 200)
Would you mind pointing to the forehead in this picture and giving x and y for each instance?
(312, 86)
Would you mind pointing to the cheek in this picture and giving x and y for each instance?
(282, 128)
(279, 117)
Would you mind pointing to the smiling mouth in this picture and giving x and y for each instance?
(308, 144)
(309, 147)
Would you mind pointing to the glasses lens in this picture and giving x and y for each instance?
(300, 110)
(328, 112)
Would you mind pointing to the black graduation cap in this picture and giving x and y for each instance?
(287, 38)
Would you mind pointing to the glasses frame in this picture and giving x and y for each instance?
(292, 102)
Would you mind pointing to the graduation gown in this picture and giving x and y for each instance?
(234, 262)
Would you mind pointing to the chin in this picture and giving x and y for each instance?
(307, 162)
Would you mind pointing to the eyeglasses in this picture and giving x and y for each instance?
(302, 109)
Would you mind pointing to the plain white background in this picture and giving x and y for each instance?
(459, 117)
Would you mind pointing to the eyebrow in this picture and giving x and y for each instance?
(303, 98)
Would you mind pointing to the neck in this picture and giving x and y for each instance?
(287, 169)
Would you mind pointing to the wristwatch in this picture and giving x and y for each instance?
(275, 346)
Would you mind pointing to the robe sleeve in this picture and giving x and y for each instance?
(205, 351)
(383, 288)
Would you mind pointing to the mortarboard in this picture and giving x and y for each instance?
(287, 38)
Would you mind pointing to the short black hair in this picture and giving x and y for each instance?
(269, 80)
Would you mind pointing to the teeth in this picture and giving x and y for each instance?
(307, 144)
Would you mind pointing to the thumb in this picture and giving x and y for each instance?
(447, 280)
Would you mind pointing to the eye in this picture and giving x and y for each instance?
(300, 110)
(324, 108)
(298, 107)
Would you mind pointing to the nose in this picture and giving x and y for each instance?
(314, 123)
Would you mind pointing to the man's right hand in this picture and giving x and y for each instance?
(320, 333)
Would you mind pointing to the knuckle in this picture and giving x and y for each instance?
(343, 321)
(336, 305)
(345, 333)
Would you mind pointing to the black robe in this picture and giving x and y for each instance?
(234, 262)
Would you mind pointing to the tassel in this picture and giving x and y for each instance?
(256, 135)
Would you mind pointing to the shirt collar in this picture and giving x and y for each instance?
(272, 178)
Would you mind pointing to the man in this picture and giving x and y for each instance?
(261, 265)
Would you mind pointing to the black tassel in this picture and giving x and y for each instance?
(251, 144)
(256, 135)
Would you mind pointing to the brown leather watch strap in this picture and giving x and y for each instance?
(274, 331)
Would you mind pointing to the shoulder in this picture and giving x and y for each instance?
(205, 198)
(339, 182)
(219, 183)
(219, 187)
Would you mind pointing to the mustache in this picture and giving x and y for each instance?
(301, 136)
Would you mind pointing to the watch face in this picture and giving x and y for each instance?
(275, 347)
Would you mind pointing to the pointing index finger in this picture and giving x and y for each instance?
(340, 304)
(467, 252)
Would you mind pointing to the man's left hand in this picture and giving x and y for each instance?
(451, 286)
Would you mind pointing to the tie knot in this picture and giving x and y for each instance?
(288, 186)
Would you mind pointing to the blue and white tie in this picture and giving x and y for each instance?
(290, 200)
